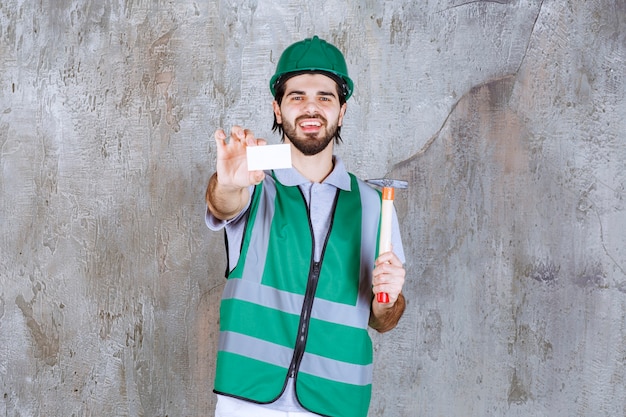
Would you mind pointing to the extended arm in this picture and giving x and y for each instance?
(225, 202)
(227, 192)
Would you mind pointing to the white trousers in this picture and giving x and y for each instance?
(231, 407)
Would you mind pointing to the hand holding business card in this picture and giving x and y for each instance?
(269, 157)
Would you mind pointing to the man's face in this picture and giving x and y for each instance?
(310, 112)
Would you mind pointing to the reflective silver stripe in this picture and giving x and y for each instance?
(347, 373)
(262, 224)
(263, 295)
(341, 313)
(315, 365)
(266, 296)
(254, 348)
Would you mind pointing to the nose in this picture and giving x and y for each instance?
(311, 106)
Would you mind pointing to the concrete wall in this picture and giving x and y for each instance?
(507, 117)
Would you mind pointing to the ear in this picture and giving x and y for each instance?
(277, 112)
(342, 112)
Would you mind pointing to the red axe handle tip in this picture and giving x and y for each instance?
(382, 297)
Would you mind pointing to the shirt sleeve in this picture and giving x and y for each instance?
(396, 238)
(234, 230)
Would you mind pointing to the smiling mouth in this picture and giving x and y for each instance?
(309, 123)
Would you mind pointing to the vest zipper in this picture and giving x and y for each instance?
(303, 326)
(311, 287)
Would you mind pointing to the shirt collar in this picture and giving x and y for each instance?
(338, 177)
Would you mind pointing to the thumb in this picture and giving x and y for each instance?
(257, 176)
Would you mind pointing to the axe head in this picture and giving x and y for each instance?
(388, 183)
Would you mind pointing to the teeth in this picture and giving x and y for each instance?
(310, 124)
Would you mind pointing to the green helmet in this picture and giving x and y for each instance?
(313, 54)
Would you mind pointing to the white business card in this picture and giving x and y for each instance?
(269, 157)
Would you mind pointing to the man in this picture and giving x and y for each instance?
(303, 269)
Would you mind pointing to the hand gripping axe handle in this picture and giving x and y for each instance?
(386, 216)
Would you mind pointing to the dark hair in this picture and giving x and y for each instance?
(279, 87)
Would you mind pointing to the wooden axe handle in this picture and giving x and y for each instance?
(386, 214)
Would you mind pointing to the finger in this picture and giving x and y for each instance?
(237, 133)
(250, 140)
(220, 140)
(256, 142)
(257, 176)
(392, 286)
(387, 289)
(387, 273)
(220, 136)
(388, 257)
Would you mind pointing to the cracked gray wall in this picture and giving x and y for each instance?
(507, 117)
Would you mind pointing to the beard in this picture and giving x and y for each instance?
(310, 143)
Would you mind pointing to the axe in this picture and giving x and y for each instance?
(386, 212)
